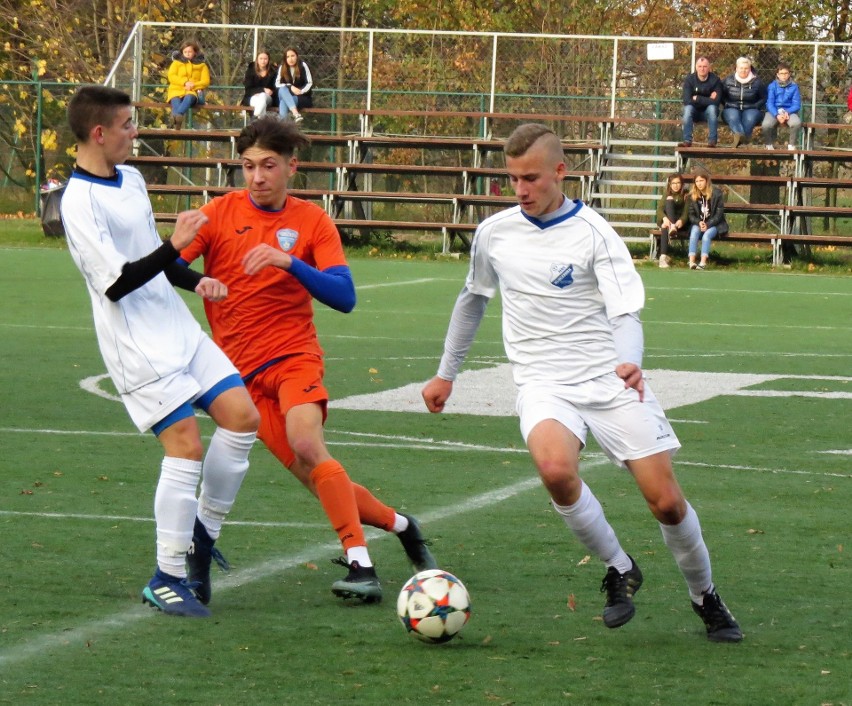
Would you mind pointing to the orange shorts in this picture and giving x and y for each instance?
(275, 391)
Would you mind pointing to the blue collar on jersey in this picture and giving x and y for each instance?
(560, 215)
(264, 208)
(80, 173)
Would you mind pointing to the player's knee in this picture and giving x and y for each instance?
(558, 477)
(308, 452)
(669, 508)
(247, 419)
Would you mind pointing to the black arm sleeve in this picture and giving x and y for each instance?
(135, 274)
(182, 276)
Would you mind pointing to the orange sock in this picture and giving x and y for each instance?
(373, 511)
(337, 496)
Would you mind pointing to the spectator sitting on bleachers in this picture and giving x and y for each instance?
(672, 215)
(744, 95)
(259, 82)
(294, 83)
(707, 214)
(188, 77)
(702, 94)
(783, 103)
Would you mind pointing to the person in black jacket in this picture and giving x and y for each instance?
(707, 215)
(260, 85)
(744, 95)
(702, 94)
(294, 83)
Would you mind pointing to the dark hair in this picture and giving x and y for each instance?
(783, 65)
(94, 105)
(670, 179)
(525, 136)
(297, 70)
(271, 133)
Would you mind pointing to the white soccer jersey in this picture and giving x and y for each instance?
(149, 333)
(560, 281)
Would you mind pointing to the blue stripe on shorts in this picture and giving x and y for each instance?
(205, 400)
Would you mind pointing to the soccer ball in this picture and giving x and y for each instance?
(433, 606)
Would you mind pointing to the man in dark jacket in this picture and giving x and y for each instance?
(702, 94)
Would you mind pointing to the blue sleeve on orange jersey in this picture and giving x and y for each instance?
(333, 287)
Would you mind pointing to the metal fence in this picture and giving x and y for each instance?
(616, 77)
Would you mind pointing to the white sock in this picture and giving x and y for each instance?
(586, 520)
(225, 466)
(359, 554)
(690, 553)
(175, 506)
(400, 523)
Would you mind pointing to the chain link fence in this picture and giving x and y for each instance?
(615, 77)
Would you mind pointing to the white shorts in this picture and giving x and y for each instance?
(626, 428)
(157, 400)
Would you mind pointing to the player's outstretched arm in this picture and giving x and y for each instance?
(436, 392)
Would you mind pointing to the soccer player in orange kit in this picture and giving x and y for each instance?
(276, 253)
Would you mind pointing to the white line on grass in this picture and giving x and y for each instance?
(150, 520)
(770, 292)
(78, 636)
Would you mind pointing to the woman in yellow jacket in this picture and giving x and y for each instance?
(188, 77)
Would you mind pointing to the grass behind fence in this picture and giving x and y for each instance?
(767, 469)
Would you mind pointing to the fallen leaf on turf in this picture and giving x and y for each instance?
(756, 531)
(572, 602)
(585, 560)
(310, 565)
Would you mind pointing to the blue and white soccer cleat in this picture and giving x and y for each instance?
(173, 596)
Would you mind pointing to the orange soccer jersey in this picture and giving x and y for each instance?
(270, 314)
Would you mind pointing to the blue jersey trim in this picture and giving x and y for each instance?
(577, 205)
(114, 182)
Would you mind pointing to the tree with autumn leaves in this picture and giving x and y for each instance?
(62, 43)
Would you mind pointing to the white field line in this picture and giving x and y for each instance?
(122, 620)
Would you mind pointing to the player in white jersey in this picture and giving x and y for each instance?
(159, 359)
(571, 300)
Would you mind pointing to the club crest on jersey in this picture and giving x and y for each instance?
(561, 275)
(287, 238)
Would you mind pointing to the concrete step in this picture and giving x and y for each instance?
(632, 182)
(640, 157)
(627, 170)
(626, 197)
(606, 210)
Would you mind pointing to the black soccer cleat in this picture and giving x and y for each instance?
(416, 547)
(361, 582)
(200, 556)
(720, 623)
(619, 589)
